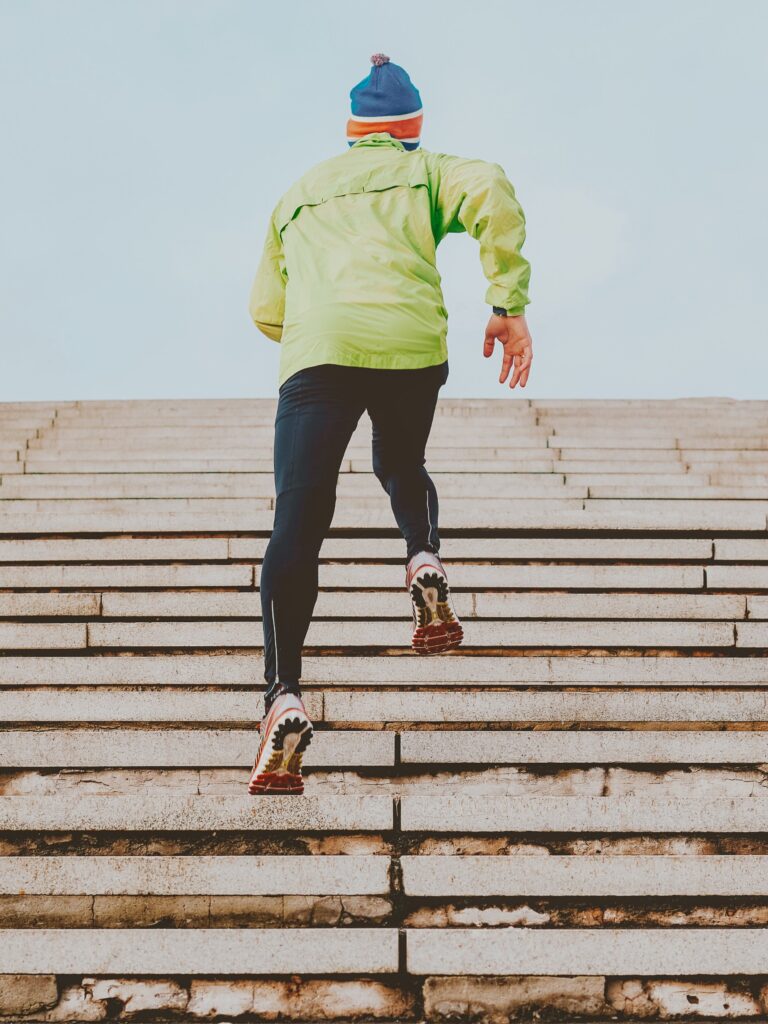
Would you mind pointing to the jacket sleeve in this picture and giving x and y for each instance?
(477, 197)
(267, 300)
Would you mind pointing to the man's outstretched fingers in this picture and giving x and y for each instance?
(489, 344)
(506, 366)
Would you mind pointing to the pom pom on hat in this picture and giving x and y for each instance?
(386, 100)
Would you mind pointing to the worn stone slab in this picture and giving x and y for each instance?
(628, 875)
(215, 604)
(389, 604)
(587, 951)
(137, 670)
(566, 706)
(752, 634)
(556, 577)
(455, 812)
(494, 604)
(199, 875)
(162, 812)
(209, 951)
(743, 577)
(619, 476)
(618, 456)
(671, 549)
(757, 606)
(16, 636)
(115, 549)
(741, 549)
(138, 462)
(681, 490)
(107, 705)
(351, 486)
(504, 514)
(98, 576)
(115, 748)
(612, 441)
(224, 669)
(608, 747)
(36, 605)
(666, 463)
(324, 633)
(114, 507)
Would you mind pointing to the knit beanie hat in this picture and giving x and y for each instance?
(386, 100)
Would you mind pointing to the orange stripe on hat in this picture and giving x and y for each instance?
(410, 128)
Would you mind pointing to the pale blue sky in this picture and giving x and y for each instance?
(145, 142)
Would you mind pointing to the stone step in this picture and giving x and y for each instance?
(179, 705)
(176, 705)
(382, 605)
(620, 705)
(158, 811)
(385, 633)
(752, 549)
(462, 576)
(245, 875)
(608, 747)
(179, 748)
(464, 813)
(654, 489)
(595, 875)
(208, 951)
(353, 487)
(178, 549)
(748, 577)
(185, 670)
(134, 748)
(558, 514)
(586, 951)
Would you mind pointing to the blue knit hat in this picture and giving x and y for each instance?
(386, 100)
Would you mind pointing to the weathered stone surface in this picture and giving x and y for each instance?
(683, 747)
(174, 747)
(603, 951)
(505, 998)
(206, 951)
(25, 993)
(584, 876)
(169, 813)
(184, 876)
(208, 998)
(137, 996)
(585, 814)
(668, 999)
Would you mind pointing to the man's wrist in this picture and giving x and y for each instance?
(499, 311)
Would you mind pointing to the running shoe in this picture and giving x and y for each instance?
(286, 732)
(435, 626)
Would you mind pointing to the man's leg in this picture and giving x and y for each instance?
(317, 412)
(402, 407)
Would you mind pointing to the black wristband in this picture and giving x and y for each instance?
(499, 311)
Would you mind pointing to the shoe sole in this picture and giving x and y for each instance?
(437, 637)
(289, 743)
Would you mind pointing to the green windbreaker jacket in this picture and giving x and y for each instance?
(348, 272)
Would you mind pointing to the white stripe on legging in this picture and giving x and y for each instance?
(274, 639)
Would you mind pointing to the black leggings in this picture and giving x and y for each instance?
(317, 412)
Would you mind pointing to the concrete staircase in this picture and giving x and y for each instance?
(566, 819)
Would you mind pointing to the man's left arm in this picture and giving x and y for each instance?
(267, 300)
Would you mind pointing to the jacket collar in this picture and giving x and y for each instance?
(378, 139)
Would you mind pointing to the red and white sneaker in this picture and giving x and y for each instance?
(286, 732)
(435, 626)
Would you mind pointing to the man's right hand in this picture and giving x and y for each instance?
(513, 333)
